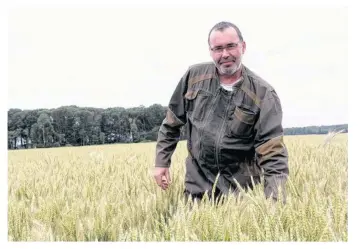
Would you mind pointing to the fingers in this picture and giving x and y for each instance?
(164, 183)
(162, 178)
(158, 179)
(167, 175)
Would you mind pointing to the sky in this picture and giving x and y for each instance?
(111, 57)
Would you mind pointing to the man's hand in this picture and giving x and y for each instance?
(162, 177)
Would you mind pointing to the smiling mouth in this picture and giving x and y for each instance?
(227, 63)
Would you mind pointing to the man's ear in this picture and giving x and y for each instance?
(243, 47)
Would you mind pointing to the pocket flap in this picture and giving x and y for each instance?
(191, 94)
(244, 115)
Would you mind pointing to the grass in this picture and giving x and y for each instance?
(107, 193)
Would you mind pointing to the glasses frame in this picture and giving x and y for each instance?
(228, 47)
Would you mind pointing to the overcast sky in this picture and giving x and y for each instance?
(108, 57)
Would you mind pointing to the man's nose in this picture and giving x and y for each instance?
(225, 53)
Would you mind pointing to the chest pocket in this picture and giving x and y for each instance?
(242, 122)
(197, 104)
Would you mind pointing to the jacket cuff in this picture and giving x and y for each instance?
(162, 166)
(275, 184)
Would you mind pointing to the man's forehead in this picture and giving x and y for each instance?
(227, 35)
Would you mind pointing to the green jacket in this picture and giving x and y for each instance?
(238, 134)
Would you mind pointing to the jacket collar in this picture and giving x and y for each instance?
(244, 80)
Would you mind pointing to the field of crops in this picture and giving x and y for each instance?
(107, 193)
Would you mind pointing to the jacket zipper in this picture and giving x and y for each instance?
(217, 144)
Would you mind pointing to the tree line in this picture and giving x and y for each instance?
(79, 126)
(324, 129)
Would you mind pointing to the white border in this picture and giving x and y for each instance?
(353, 119)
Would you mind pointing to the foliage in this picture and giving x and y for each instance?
(79, 126)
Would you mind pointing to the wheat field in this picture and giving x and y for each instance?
(107, 193)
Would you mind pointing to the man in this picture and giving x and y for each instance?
(234, 124)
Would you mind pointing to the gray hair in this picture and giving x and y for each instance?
(223, 25)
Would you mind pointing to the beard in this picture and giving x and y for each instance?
(225, 70)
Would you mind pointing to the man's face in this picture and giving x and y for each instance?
(226, 50)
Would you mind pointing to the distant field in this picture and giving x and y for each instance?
(107, 193)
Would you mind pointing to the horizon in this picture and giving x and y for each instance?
(334, 124)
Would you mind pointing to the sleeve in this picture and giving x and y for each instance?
(169, 132)
(271, 152)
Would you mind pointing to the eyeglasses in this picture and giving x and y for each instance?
(229, 47)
